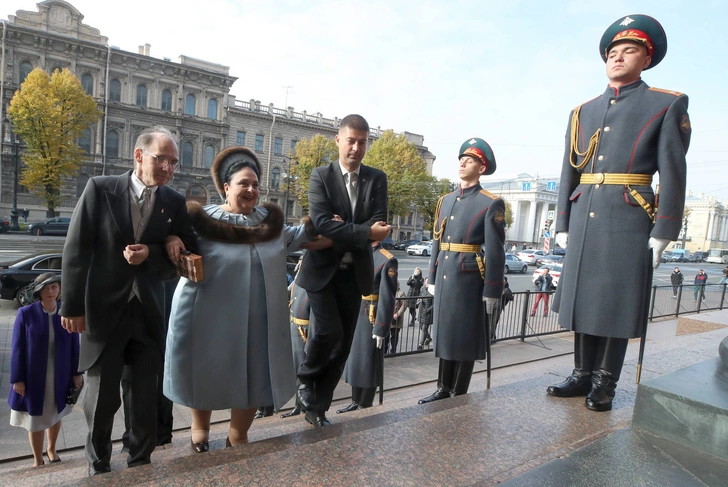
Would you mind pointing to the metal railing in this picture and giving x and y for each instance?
(514, 322)
(686, 299)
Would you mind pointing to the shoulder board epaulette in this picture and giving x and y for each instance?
(386, 253)
(489, 194)
(669, 92)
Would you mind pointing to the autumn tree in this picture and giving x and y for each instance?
(405, 168)
(50, 112)
(509, 215)
(310, 153)
(427, 197)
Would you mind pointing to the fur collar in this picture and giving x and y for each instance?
(270, 228)
(212, 229)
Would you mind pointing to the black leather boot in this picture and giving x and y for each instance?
(355, 400)
(463, 374)
(579, 382)
(445, 378)
(608, 368)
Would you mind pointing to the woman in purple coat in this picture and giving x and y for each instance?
(43, 366)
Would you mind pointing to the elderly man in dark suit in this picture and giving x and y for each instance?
(114, 261)
(348, 204)
(608, 210)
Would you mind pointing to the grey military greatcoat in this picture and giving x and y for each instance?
(605, 283)
(361, 367)
(301, 312)
(470, 216)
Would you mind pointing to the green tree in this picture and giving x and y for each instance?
(405, 169)
(310, 153)
(50, 112)
(427, 196)
(509, 215)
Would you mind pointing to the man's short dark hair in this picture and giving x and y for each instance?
(147, 136)
(355, 122)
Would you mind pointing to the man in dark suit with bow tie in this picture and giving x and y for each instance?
(114, 261)
(348, 204)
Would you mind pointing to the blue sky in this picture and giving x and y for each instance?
(506, 71)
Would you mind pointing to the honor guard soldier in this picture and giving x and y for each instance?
(608, 212)
(375, 318)
(466, 269)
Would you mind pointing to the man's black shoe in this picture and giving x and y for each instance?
(293, 412)
(577, 384)
(351, 407)
(436, 396)
(98, 471)
(317, 419)
(306, 396)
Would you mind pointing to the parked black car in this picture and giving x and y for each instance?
(51, 226)
(17, 277)
(558, 251)
(389, 244)
(405, 243)
(4, 224)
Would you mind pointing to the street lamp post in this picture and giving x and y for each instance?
(685, 232)
(287, 177)
(10, 141)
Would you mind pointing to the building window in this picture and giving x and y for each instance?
(240, 139)
(190, 105)
(259, 139)
(84, 142)
(88, 83)
(293, 146)
(409, 219)
(274, 201)
(212, 109)
(209, 156)
(25, 69)
(166, 100)
(81, 181)
(289, 207)
(187, 150)
(115, 90)
(112, 143)
(196, 193)
(141, 96)
(278, 146)
(275, 178)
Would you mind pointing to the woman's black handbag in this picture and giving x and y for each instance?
(73, 393)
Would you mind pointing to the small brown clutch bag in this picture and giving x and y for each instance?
(190, 266)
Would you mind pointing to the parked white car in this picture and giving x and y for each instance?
(529, 256)
(423, 248)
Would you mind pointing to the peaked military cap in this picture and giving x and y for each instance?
(638, 28)
(479, 149)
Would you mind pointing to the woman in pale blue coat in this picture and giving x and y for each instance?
(228, 345)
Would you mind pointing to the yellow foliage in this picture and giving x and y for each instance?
(310, 153)
(49, 113)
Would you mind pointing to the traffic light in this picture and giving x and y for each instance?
(547, 225)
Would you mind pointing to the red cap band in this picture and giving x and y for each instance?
(475, 152)
(634, 35)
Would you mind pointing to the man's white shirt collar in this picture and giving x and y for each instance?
(137, 186)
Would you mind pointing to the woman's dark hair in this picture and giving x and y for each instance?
(239, 166)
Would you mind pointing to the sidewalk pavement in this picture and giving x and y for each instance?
(399, 372)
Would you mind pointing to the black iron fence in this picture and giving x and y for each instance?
(516, 320)
(519, 319)
(686, 298)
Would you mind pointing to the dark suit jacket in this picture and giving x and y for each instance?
(327, 196)
(97, 280)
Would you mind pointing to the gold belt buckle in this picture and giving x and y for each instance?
(599, 177)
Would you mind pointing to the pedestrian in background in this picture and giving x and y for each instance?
(43, 366)
(415, 283)
(544, 285)
(725, 276)
(424, 311)
(699, 285)
(400, 310)
(676, 278)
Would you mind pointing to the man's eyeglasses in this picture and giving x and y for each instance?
(162, 161)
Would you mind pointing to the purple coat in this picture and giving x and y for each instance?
(29, 359)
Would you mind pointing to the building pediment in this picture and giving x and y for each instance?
(58, 17)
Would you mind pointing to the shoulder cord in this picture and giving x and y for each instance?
(590, 150)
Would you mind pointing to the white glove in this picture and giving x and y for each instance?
(431, 289)
(380, 341)
(489, 304)
(658, 245)
(562, 239)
